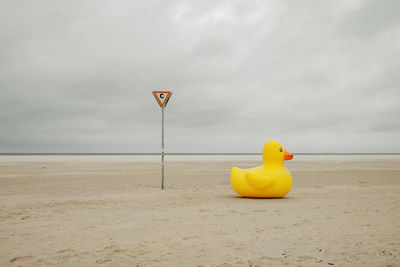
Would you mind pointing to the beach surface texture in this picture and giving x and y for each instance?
(110, 211)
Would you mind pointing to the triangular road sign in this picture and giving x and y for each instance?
(162, 97)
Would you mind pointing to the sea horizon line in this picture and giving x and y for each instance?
(180, 154)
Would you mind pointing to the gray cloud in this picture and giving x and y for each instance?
(371, 18)
(78, 76)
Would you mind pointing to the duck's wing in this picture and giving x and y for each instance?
(259, 181)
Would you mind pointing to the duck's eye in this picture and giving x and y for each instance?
(280, 149)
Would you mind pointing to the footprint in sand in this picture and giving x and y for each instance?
(203, 210)
(102, 261)
(259, 210)
(111, 247)
(21, 258)
(190, 237)
(65, 250)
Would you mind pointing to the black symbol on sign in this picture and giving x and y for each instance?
(161, 95)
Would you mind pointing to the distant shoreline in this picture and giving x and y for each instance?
(184, 154)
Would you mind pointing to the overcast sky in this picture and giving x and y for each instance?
(318, 76)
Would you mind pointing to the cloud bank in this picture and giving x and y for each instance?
(317, 76)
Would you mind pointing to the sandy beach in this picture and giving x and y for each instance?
(110, 211)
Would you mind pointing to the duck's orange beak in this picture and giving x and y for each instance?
(287, 156)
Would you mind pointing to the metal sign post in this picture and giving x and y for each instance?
(162, 98)
(162, 150)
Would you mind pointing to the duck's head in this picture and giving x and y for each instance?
(274, 152)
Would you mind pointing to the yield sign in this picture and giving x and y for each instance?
(162, 97)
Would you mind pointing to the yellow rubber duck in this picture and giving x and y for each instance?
(270, 180)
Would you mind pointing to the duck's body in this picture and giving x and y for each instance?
(270, 180)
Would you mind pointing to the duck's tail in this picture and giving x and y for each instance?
(236, 172)
(237, 177)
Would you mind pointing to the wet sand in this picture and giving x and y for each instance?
(110, 211)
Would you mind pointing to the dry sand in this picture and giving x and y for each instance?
(110, 211)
